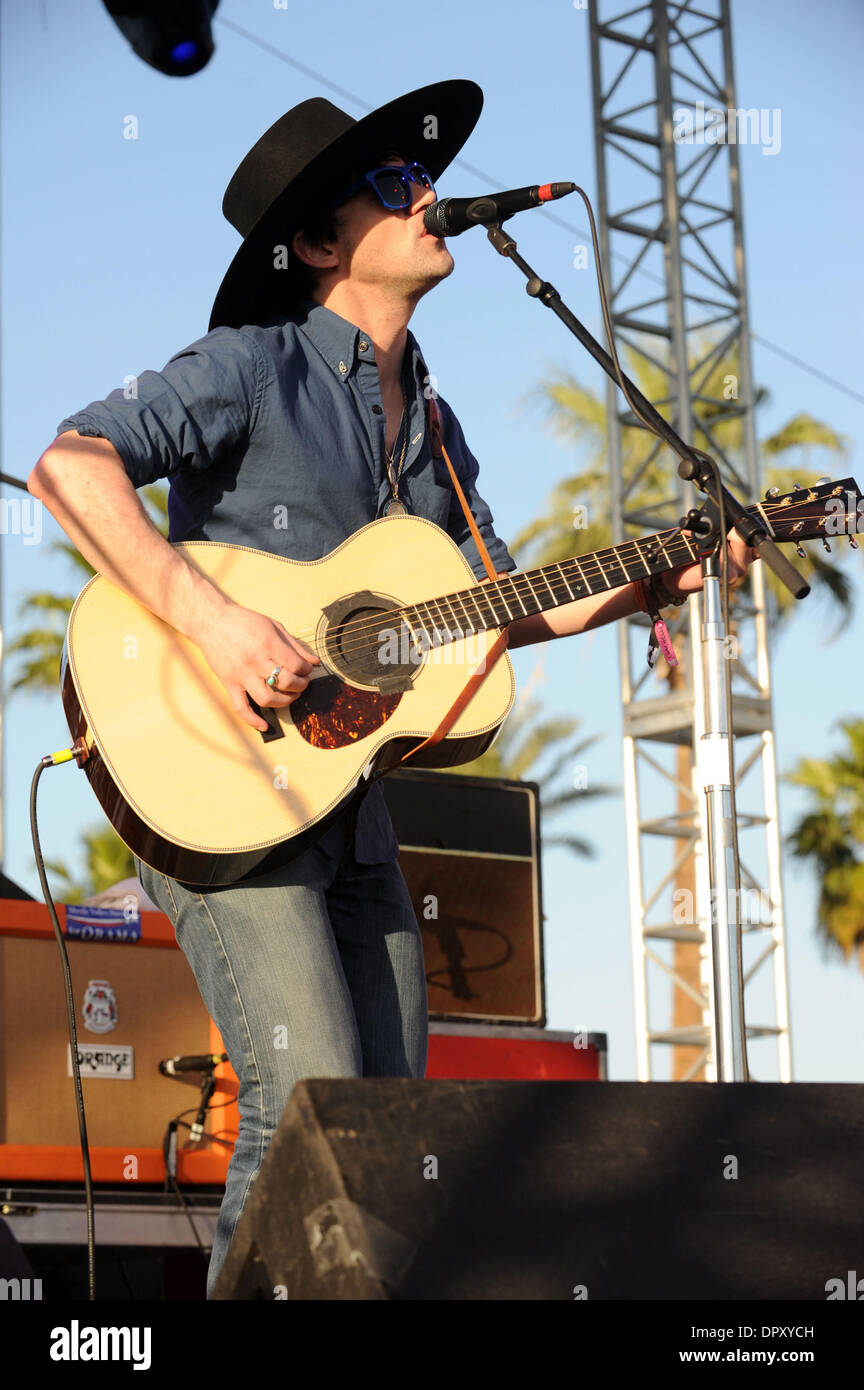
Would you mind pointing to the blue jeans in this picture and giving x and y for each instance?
(314, 969)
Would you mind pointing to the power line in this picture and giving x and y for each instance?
(814, 371)
(301, 67)
(550, 216)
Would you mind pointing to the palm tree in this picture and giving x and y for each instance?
(831, 836)
(520, 751)
(579, 416)
(40, 647)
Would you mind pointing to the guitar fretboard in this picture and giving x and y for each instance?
(534, 591)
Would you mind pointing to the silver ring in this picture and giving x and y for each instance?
(273, 677)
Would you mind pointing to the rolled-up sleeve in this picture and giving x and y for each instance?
(467, 469)
(193, 414)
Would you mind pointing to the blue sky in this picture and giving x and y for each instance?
(113, 250)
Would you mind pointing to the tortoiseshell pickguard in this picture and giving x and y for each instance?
(331, 713)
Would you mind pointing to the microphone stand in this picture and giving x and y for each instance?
(714, 754)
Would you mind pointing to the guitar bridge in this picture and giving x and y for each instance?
(275, 730)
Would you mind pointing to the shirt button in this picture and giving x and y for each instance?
(377, 409)
(343, 369)
(363, 345)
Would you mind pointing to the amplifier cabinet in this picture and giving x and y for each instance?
(470, 853)
(144, 1005)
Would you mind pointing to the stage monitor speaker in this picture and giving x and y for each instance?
(398, 1189)
(470, 853)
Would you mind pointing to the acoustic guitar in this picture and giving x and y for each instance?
(201, 796)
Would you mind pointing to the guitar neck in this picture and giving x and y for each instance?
(535, 591)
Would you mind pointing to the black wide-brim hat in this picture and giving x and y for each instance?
(295, 170)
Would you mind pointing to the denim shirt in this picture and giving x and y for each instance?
(272, 436)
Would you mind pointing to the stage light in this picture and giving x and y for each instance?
(184, 52)
(172, 36)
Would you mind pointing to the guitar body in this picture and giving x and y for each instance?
(199, 795)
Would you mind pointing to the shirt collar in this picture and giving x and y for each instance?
(334, 337)
(338, 341)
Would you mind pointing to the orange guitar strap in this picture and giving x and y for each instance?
(479, 674)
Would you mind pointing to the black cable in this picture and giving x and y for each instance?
(205, 1254)
(171, 1179)
(214, 1138)
(169, 1175)
(51, 760)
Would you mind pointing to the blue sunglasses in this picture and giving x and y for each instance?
(392, 184)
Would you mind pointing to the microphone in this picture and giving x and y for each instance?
(173, 1066)
(452, 216)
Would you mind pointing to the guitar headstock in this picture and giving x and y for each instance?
(825, 510)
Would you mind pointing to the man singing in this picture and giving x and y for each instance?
(307, 401)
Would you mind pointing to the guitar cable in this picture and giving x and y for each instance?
(169, 1153)
(66, 755)
(54, 760)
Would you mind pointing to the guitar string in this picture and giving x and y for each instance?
(580, 571)
(591, 566)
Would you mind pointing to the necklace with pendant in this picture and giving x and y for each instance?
(394, 506)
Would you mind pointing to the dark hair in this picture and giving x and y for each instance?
(301, 280)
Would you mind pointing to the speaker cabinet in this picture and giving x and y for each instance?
(157, 1012)
(470, 853)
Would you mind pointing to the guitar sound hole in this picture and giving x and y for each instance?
(367, 643)
(358, 645)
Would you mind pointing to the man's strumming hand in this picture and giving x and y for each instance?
(243, 647)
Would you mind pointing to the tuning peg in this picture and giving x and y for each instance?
(826, 545)
(854, 544)
(800, 551)
(772, 492)
(796, 487)
(820, 482)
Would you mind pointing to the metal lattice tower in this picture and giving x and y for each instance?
(672, 248)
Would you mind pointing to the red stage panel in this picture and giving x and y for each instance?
(489, 1053)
